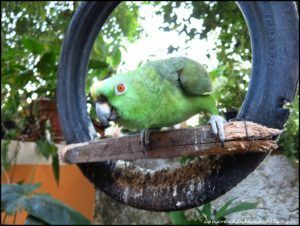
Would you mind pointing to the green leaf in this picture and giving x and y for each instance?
(97, 64)
(127, 20)
(52, 211)
(178, 218)
(116, 57)
(33, 45)
(55, 167)
(241, 207)
(22, 79)
(100, 48)
(40, 207)
(46, 65)
(217, 72)
(206, 210)
(11, 105)
(185, 159)
(13, 196)
(5, 160)
(45, 148)
(10, 54)
(31, 220)
(224, 211)
(221, 211)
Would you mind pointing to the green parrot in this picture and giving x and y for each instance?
(158, 94)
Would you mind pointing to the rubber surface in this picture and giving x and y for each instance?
(274, 31)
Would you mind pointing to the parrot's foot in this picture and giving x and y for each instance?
(217, 124)
(145, 139)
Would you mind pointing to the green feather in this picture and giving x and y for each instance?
(184, 72)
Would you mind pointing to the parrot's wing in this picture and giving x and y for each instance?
(184, 73)
(166, 70)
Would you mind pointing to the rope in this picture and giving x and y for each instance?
(247, 134)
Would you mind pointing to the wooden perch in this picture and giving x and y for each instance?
(174, 143)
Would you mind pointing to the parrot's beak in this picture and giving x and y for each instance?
(105, 112)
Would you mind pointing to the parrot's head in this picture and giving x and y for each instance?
(126, 98)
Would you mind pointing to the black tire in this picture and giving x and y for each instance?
(274, 31)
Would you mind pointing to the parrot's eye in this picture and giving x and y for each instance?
(120, 88)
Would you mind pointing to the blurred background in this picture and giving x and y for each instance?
(212, 33)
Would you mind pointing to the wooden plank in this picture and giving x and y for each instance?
(174, 143)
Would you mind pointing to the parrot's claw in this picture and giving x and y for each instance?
(217, 124)
(145, 139)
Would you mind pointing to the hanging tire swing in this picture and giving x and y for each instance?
(274, 33)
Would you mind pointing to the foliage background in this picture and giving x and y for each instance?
(32, 34)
